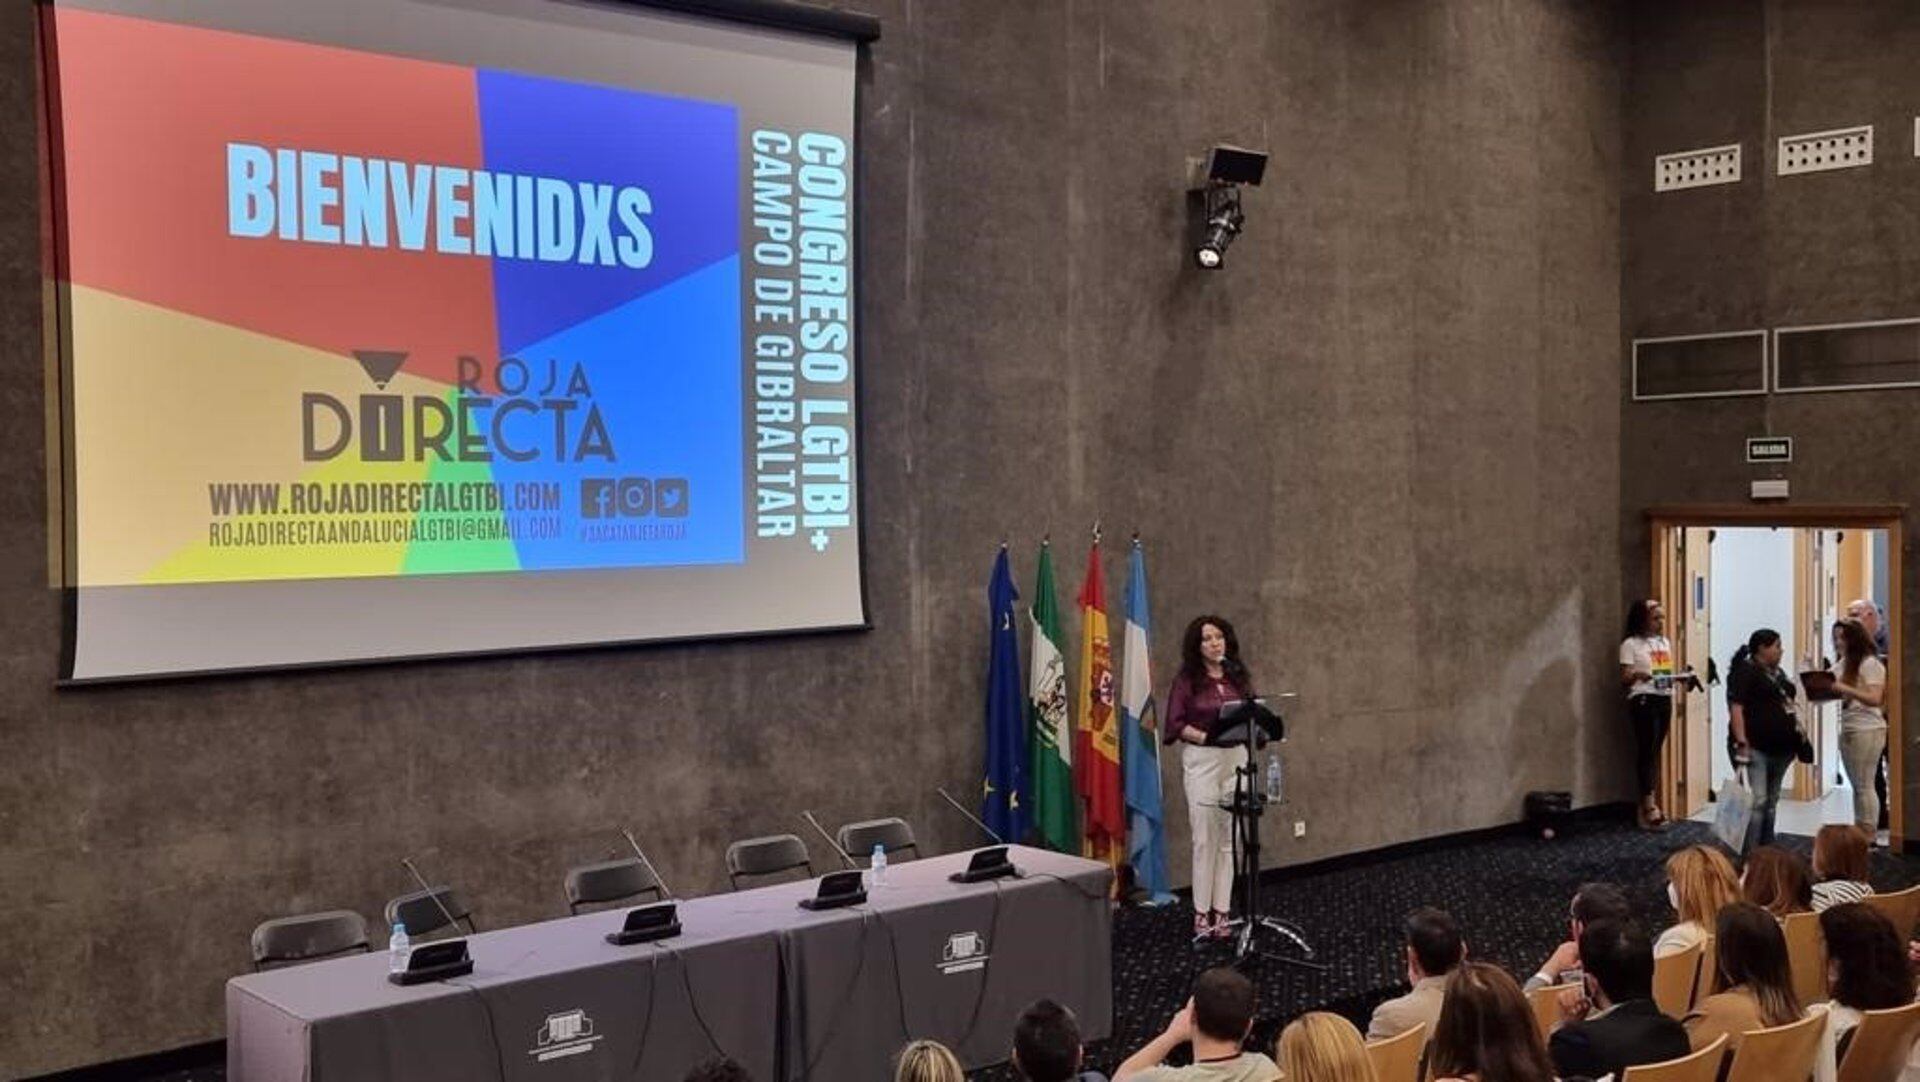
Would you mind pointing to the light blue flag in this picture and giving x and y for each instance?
(1140, 721)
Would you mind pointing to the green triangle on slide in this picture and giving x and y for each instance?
(455, 557)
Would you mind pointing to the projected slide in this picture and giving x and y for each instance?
(339, 317)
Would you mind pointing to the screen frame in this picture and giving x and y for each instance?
(858, 28)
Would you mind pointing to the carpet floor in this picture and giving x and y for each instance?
(1509, 895)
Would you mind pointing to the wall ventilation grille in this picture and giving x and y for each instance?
(1817, 152)
(1697, 168)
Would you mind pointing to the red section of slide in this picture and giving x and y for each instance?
(146, 112)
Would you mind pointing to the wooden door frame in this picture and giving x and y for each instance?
(1662, 520)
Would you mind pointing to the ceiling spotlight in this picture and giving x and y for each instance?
(1228, 168)
(1223, 224)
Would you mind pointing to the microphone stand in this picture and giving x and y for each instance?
(971, 818)
(435, 895)
(1247, 806)
(822, 831)
(664, 888)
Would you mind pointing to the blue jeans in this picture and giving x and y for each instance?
(1764, 775)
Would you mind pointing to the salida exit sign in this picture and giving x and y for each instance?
(1770, 449)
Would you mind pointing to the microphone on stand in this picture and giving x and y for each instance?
(431, 893)
(643, 859)
(971, 818)
(815, 823)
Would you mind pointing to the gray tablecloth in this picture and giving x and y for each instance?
(789, 993)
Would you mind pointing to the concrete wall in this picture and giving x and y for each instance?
(1772, 251)
(1384, 441)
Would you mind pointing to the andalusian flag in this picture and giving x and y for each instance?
(1050, 783)
(1140, 721)
(1003, 794)
(1097, 756)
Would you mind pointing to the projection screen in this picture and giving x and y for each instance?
(396, 328)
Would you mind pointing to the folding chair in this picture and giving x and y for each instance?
(1781, 1054)
(858, 839)
(423, 915)
(309, 937)
(772, 855)
(612, 881)
(1397, 1059)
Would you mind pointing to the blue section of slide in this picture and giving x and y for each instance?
(682, 152)
(665, 374)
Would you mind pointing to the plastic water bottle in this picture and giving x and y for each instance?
(879, 865)
(1273, 777)
(397, 949)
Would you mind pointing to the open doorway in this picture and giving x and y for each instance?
(1721, 573)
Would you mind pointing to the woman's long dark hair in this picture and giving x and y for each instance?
(1486, 1029)
(1859, 647)
(1640, 618)
(1762, 637)
(1871, 962)
(1750, 949)
(1193, 667)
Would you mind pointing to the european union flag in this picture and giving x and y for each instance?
(1003, 795)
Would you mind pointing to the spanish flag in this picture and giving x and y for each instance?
(1097, 759)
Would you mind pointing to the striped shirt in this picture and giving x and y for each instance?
(1838, 892)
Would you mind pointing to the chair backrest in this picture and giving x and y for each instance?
(1709, 980)
(309, 937)
(771, 855)
(423, 916)
(1881, 1044)
(858, 839)
(1397, 1059)
(1781, 1054)
(1546, 1006)
(1675, 976)
(1806, 956)
(610, 881)
(1701, 1066)
(1902, 908)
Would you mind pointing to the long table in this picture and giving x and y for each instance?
(792, 994)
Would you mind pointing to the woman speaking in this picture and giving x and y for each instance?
(1210, 674)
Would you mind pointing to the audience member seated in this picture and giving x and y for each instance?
(1751, 952)
(719, 1070)
(1486, 1031)
(1215, 1021)
(1433, 949)
(1615, 1025)
(1700, 881)
(1839, 866)
(927, 1061)
(1592, 903)
(1323, 1047)
(1777, 881)
(1867, 967)
(1046, 1045)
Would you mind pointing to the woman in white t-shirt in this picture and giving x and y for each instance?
(1646, 672)
(1861, 681)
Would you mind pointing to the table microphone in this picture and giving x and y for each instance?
(851, 863)
(431, 893)
(971, 818)
(648, 863)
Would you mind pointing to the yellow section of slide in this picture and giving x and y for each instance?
(166, 406)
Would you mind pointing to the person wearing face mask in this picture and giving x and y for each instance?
(1762, 736)
(1210, 676)
(1700, 883)
(1615, 1024)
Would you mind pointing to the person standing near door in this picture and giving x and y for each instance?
(1646, 672)
(1762, 735)
(1861, 682)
